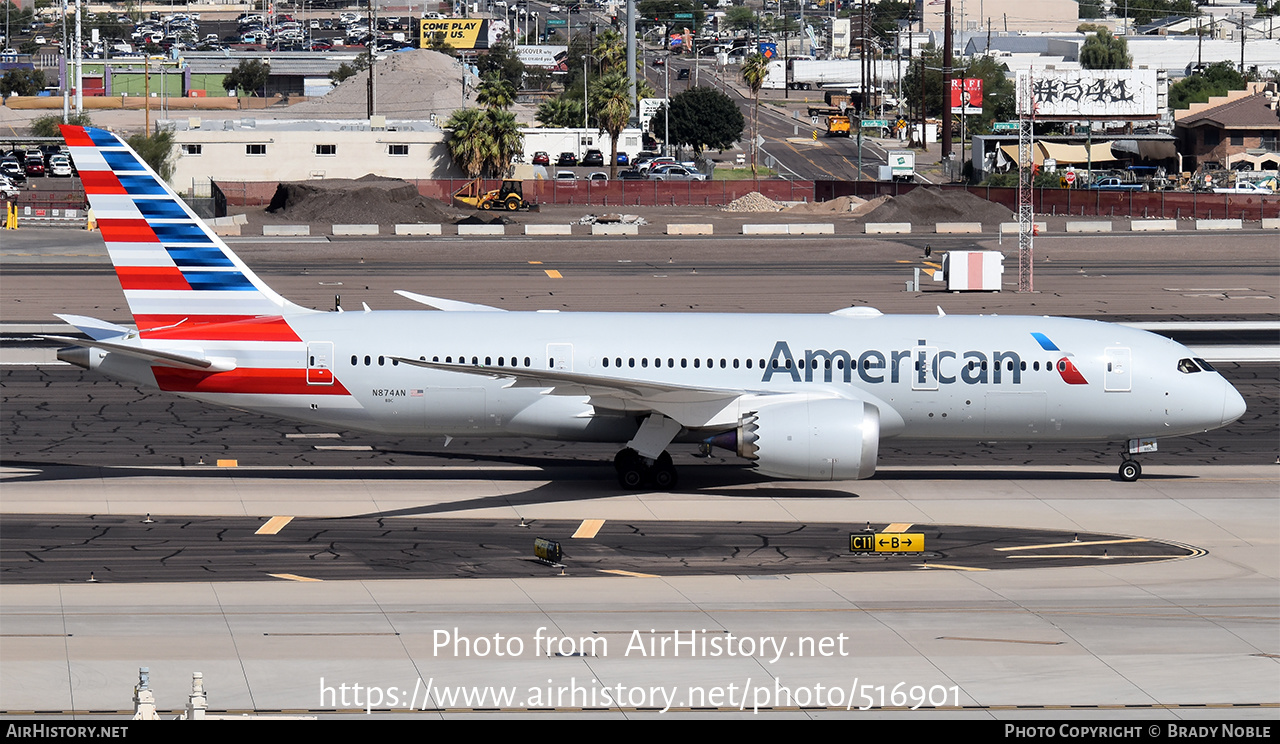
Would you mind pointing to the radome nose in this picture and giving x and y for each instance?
(1232, 405)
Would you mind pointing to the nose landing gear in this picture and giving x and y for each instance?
(1130, 470)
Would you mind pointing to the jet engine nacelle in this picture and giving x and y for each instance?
(818, 439)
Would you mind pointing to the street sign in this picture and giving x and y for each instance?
(1005, 126)
(557, 22)
(684, 16)
(886, 542)
(1070, 176)
(899, 542)
(875, 123)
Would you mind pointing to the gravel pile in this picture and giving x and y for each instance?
(753, 202)
(924, 206)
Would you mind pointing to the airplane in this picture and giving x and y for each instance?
(806, 397)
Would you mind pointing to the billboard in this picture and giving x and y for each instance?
(547, 57)
(460, 33)
(1084, 94)
(966, 96)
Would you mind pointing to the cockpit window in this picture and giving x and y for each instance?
(1205, 365)
(1187, 366)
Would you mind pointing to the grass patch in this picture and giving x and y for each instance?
(742, 174)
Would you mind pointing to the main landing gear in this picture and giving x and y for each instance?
(636, 472)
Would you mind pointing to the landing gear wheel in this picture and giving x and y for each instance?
(631, 469)
(664, 472)
(1130, 471)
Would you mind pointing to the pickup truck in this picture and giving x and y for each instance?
(1115, 184)
(1243, 187)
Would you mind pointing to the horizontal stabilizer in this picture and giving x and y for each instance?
(94, 328)
(440, 303)
(186, 360)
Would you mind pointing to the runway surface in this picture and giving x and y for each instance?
(1192, 636)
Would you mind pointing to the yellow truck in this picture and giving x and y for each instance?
(838, 126)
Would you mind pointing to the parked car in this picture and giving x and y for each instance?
(647, 166)
(566, 160)
(8, 189)
(598, 176)
(34, 164)
(562, 176)
(630, 174)
(541, 158)
(622, 158)
(11, 168)
(675, 173)
(1115, 184)
(593, 158)
(60, 166)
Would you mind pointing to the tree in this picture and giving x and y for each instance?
(22, 83)
(738, 18)
(504, 141)
(502, 59)
(495, 92)
(611, 104)
(468, 140)
(1102, 51)
(610, 50)
(342, 74)
(754, 70)
(156, 150)
(704, 118)
(1199, 87)
(561, 111)
(47, 126)
(249, 76)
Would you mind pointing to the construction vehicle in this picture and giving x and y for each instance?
(838, 125)
(510, 197)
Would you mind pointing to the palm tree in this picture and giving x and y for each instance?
(495, 92)
(610, 49)
(754, 70)
(561, 111)
(503, 143)
(469, 140)
(611, 103)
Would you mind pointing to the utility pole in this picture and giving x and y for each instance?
(373, 56)
(946, 83)
(631, 53)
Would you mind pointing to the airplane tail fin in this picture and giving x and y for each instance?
(176, 274)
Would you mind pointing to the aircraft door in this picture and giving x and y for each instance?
(1119, 377)
(560, 357)
(320, 363)
(924, 372)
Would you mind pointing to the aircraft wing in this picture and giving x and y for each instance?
(691, 406)
(183, 359)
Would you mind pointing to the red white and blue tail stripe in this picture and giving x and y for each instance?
(181, 280)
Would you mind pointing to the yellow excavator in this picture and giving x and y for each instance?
(510, 197)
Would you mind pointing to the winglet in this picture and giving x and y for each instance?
(440, 303)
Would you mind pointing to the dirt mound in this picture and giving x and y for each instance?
(839, 205)
(925, 206)
(412, 84)
(363, 201)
